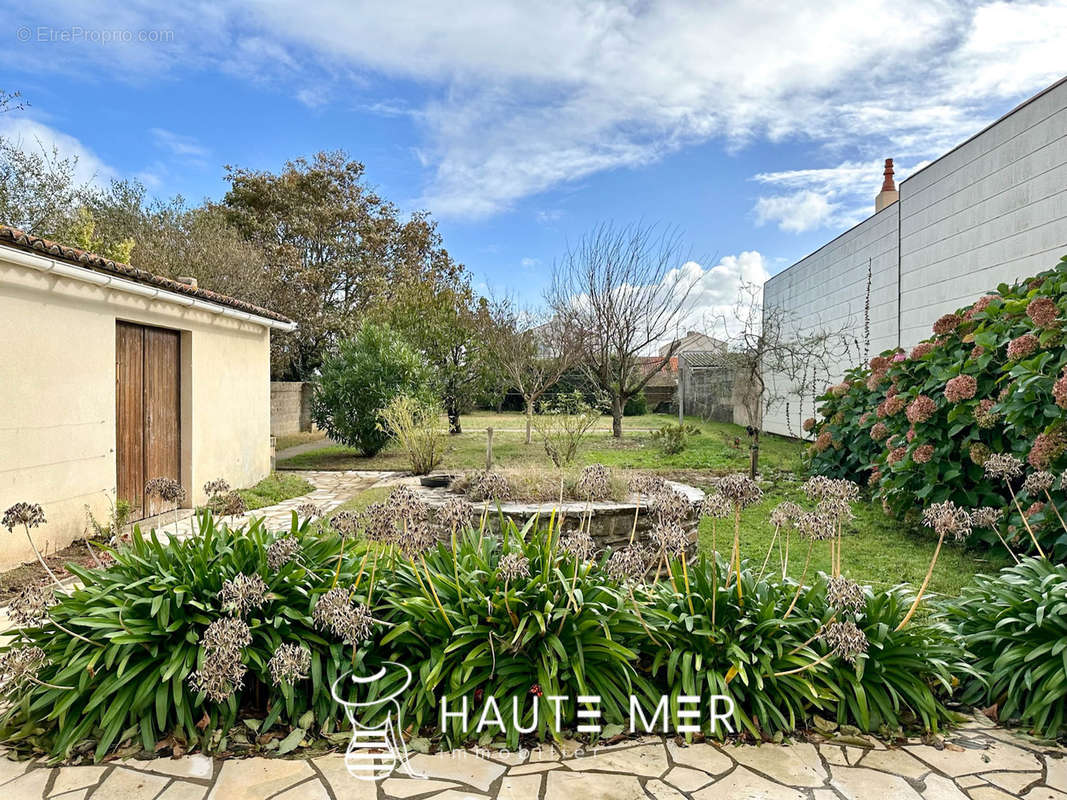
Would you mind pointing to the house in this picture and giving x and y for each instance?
(694, 342)
(992, 210)
(111, 376)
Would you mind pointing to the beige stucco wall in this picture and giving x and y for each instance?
(57, 399)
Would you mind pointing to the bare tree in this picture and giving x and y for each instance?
(775, 358)
(626, 290)
(532, 349)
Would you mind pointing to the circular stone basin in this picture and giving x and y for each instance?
(609, 523)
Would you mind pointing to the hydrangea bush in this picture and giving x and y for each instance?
(919, 425)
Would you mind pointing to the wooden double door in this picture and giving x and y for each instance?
(148, 400)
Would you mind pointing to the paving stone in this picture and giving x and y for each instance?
(967, 781)
(543, 753)
(795, 765)
(183, 790)
(510, 757)
(530, 769)
(938, 787)
(563, 785)
(825, 794)
(512, 787)
(1013, 782)
(1056, 773)
(9, 770)
(1044, 793)
(743, 783)
(648, 761)
(309, 790)
(126, 784)
(854, 754)
(198, 767)
(686, 779)
(662, 791)
(954, 763)
(258, 778)
(857, 783)
(897, 762)
(77, 794)
(70, 778)
(412, 787)
(28, 785)
(455, 794)
(989, 793)
(706, 757)
(460, 766)
(341, 782)
(834, 755)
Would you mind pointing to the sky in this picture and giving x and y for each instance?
(757, 132)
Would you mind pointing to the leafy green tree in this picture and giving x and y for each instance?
(358, 381)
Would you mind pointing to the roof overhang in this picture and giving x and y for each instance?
(86, 275)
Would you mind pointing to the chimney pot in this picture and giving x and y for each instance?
(889, 193)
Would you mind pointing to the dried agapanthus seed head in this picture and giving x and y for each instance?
(1003, 466)
(578, 544)
(740, 490)
(647, 483)
(785, 514)
(455, 514)
(29, 514)
(336, 613)
(986, 517)
(845, 639)
(166, 489)
(628, 564)
(405, 504)
(1039, 482)
(594, 483)
(670, 538)
(416, 539)
(513, 566)
(834, 509)
(379, 524)
(485, 484)
(817, 487)
(671, 506)
(220, 675)
(231, 504)
(19, 665)
(816, 526)
(29, 607)
(289, 664)
(310, 511)
(217, 486)
(844, 594)
(715, 506)
(281, 551)
(243, 594)
(227, 634)
(948, 519)
(346, 523)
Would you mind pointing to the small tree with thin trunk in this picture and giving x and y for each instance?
(533, 350)
(626, 289)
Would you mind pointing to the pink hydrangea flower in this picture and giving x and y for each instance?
(921, 349)
(898, 357)
(960, 388)
(879, 431)
(920, 409)
(896, 454)
(809, 424)
(1059, 391)
(923, 453)
(910, 435)
(1022, 347)
(947, 324)
(1045, 449)
(895, 404)
(1043, 312)
(823, 442)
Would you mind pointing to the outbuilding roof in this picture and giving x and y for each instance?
(20, 240)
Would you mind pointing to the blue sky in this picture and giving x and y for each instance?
(758, 134)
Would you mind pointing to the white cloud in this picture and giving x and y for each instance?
(522, 97)
(31, 135)
(184, 147)
(529, 263)
(797, 212)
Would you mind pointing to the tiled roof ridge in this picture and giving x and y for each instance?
(27, 241)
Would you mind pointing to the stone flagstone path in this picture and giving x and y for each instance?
(979, 762)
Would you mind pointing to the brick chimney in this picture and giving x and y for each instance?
(889, 193)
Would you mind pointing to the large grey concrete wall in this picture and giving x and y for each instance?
(828, 290)
(992, 210)
(290, 407)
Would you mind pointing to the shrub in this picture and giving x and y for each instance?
(534, 484)
(1015, 627)
(674, 437)
(919, 425)
(563, 424)
(357, 382)
(636, 405)
(416, 425)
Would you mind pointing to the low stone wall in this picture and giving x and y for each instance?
(609, 523)
(290, 407)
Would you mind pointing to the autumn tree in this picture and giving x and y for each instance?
(626, 290)
(533, 350)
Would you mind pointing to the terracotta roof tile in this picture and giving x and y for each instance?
(13, 237)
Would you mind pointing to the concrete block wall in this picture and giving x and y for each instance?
(290, 407)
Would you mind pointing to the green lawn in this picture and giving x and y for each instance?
(275, 488)
(878, 550)
(288, 440)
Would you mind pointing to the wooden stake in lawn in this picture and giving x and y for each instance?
(947, 519)
(489, 448)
